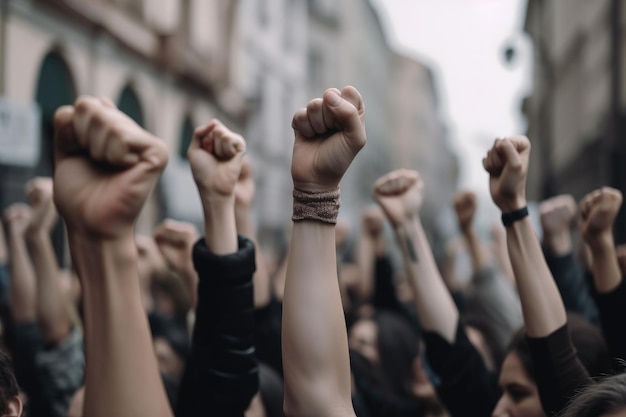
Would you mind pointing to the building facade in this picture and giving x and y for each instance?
(576, 110)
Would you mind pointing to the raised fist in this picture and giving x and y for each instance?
(507, 165)
(557, 214)
(39, 193)
(215, 155)
(465, 208)
(400, 194)
(18, 217)
(106, 165)
(245, 188)
(598, 210)
(373, 221)
(175, 241)
(329, 133)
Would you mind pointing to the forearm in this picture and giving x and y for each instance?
(606, 273)
(23, 285)
(366, 258)
(435, 306)
(261, 278)
(477, 252)
(315, 346)
(52, 307)
(119, 352)
(542, 306)
(220, 229)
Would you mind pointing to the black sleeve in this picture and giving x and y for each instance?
(612, 307)
(268, 334)
(466, 387)
(570, 280)
(559, 374)
(384, 296)
(221, 376)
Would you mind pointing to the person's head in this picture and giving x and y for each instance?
(388, 341)
(482, 334)
(520, 397)
(10, 403)
(604, 399)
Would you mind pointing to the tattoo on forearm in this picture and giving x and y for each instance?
(411, 249)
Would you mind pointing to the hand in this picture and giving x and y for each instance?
(329, 133)
(245, 188)
(465, 208)
(18, 217)
(175, 241)
(39, 193)
(106, 165)
(598, 211)
(507, 164)
(400, 194)
(150, 262)
(215, 155)
(557, 214)
(373, 221)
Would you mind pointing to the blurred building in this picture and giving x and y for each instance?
(175, 64)
(167, 63)
(576, 111)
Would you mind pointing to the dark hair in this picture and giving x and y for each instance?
(8, 383)
(607, 396)
(483, 325)
(587, 340)
(398, 346)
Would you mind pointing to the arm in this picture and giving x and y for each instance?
(99, 208)
(557, 215)
(244, 195)
(496, 297)
(175, 241)
(328, 135)
(53, 314)
(598, 212)
(222, 375)
(466, 388)
(370, 247)
(23, 295)
(558, 372)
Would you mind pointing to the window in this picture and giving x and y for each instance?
(128, 102)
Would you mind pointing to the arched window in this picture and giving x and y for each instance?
(186, 134)
(55, 88)
(128, 102)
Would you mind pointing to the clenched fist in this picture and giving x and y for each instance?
(507, 165)
(465, 208)
(175, 241)
(598, 211)
(39, 193)
(106, 165)
(400, 194)
(329, 133)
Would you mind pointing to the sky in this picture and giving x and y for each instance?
(463, 41)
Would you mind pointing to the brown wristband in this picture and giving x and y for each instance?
(321, 206)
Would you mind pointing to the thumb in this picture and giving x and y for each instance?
(65, 141)
(347, 115)
(510, 155)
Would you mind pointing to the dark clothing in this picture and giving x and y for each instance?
(268, 333)
(612, 308)
(466, 387)
(559, 374)
(50, 375)
(570, 280)
(221, 376)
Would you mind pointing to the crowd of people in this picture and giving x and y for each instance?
(177, 325)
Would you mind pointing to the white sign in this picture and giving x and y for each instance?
(20, 126)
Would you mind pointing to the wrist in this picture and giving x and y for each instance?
(559, 243)
(600, 242)
(512, 205)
